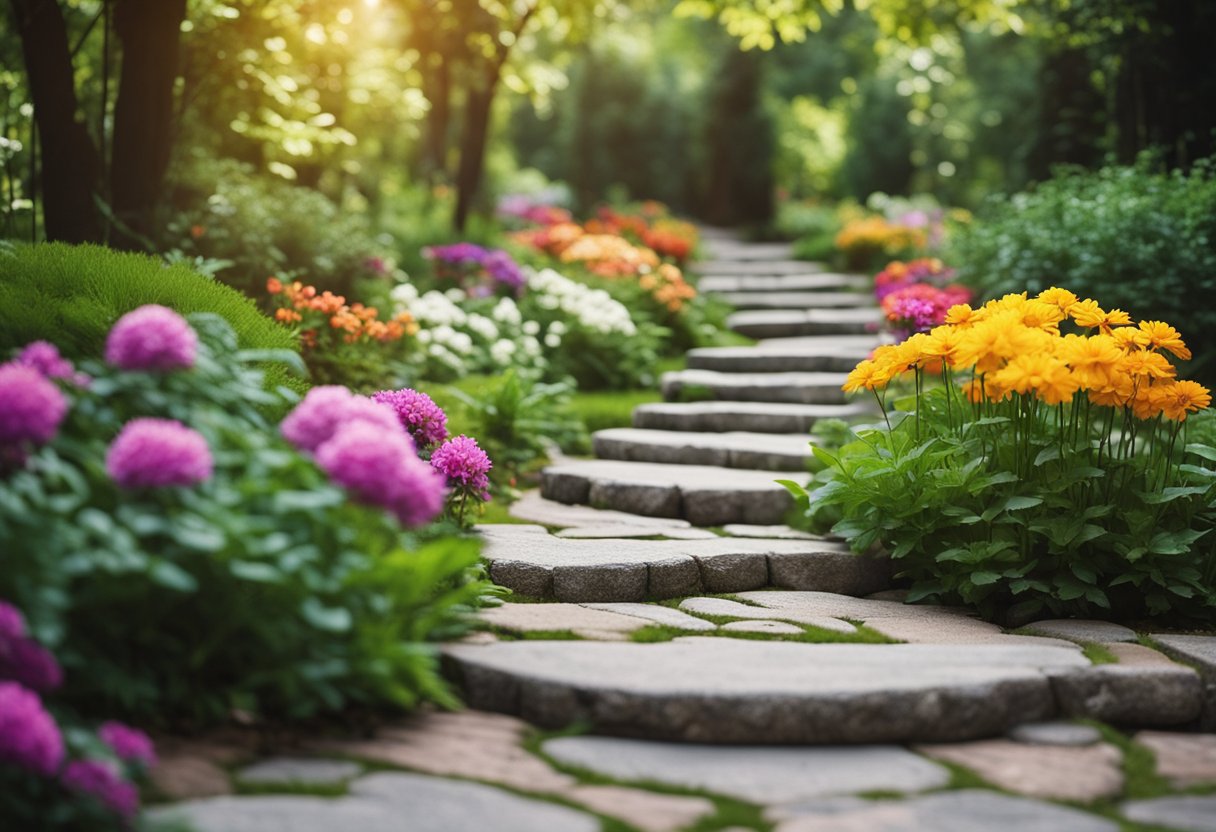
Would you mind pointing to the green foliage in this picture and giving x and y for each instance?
(263, 589)
(1018, 513)
(1139, 238)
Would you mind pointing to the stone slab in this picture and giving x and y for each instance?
(307, 771)
(1147, 694)
(659, 614)
(958, 811)
(531, 618)
(763, 626)
(723, 690)
(533, 507)
(768, 451)
(1182, 813)
(785, 388)
(621, 532)
(746, 251)
(745, 299)
(765, 268)
(647, 811)
(1053, 772)
(1082, 630)
(544, 566)
(838, 354)
(733, 609)
(784, 323)
(703, 495)
(757, 774)
(1056, 733)
(1199, 651)
(379, 803)
(1183, 759)
(797, 282)
(777, 532)
(755, 417)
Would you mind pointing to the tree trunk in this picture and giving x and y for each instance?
(71, 165)
(473, 149)
(439, 94)
(150, 32)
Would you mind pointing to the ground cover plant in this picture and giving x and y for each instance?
(187, 556)
(1049, 472)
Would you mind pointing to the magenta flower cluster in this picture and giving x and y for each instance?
(128, 744)
(364, 447)
(98, 779)
(154, 453)
(31, 406)
(424, 420)
(153, 338)
(29, 737)
(22, 659)
(461, 259)
(44, 357)
(465, 465)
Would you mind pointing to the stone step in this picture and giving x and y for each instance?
(701, 494)
(733, 250)
(770, 451)
(723, 690)
(815, 282)
(765, 268)
(797, 300)
(784, 323)
(838, 354)
(786, 388)
(752, 417)
(531, 562)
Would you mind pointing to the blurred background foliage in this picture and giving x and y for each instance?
(415, 115)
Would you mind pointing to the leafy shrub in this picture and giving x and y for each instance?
(1140, 238)
(1057, 479)
(262, 587)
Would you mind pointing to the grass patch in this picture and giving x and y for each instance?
(656, 633)
(1098, 653)
(534, 635)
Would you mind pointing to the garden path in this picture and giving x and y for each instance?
(736, 674)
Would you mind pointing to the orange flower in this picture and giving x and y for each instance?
(274, 285)
(287, 316)
(1163, 336)
(1181, 398)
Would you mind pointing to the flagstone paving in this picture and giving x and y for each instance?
(781, 685)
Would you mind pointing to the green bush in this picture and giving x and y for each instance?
(263, 589)
(1138, 238)
(72, 295)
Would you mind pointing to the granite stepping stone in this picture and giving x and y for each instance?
(751, 268)
(796, 300)
(733, 609)
(734, 449)
(757, 774)
(1200, 652)
(298, 771)
(748, 251)
(763, 627)
(797, 282)
(543, 566)
(379, 803)
(1056, 733)
(1131, 694)
(751, 417)
(786, 388)
(602, 532)
(1183, 759)
(531, 506)
(725, 690)
(1081, 630)
(702, 494)
(1077, 773)
(658, 614)
(528, 618)
(958, 811)
(823, 355)
(1182, 813)
(784, 323)
(778, 532)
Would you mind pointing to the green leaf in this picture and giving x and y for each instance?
(1047, 455)
(172, 576)
(286, 501)
(984, 578)
(330, 619)
(1017, 503)
(1205, 451)
(255, 571)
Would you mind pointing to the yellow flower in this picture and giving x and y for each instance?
(1011, 301)
(943, 343)
(1130, 338)
(1043, 375)
(890, 361)
(962, 315)
(1178, 399)
(1061, 298)
(1088, 314)
(865, 376)
(1163, 336)
(1092, 359)
(1117, 392)
(1144, 363)
(1038, 314)
(998, 338)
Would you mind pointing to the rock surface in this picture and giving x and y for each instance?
(1183, 759)
(303, 771)
(1184, 813)
(1080, 774)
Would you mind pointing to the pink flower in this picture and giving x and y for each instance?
(98, 780)
(22, 659)
(29, 736)
(464, 464)
(315, 419)
(31, 407)
(418, 413)
(383, 469)
(128, 744)
(154, 338)
(44, 357)
(12, 623)
(152, 453)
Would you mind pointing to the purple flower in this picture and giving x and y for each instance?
(12, 623)
(44, 357)
(99, 780)
(503, 269)
(29, 736)
(464, 464)
(152, 453)
(29, 663)
(128, 744)
(313, 421)
(457, 253)
(419, 415)
(383, 469)
(152, 337)
(31, 407)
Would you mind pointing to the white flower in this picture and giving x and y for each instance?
(553, 340)
(557, 328)
(507, 312)
(404, 294)
(424, 336)
(455, 295)
(502, 351)
(461, 343)
(483, 326)
(531, 328)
